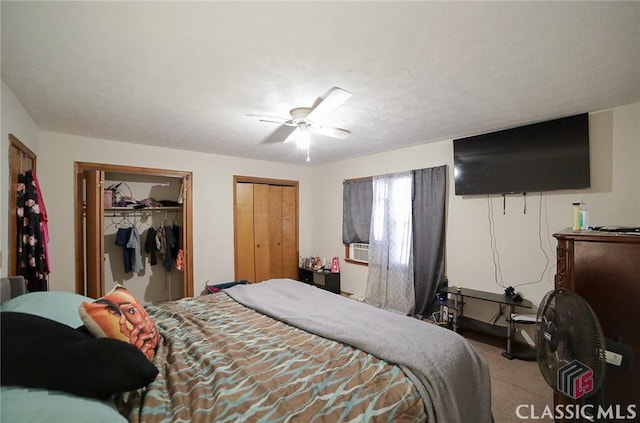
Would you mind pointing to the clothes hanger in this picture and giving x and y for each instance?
(165, 220)
(124, 222)
(142, 223)
(113, 223)
(141, 226)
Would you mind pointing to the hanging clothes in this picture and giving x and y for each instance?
(122, 239)
(129, 240)
(33, 234)
(150, 246)
(180, 260)
(167, 244)
(136, 256)
(178, 253)
(170, 247)
(44, 222)
(176, 243)
(161, 242)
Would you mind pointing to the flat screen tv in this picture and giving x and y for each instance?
(545, 156)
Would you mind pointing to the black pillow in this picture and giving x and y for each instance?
(42, 353)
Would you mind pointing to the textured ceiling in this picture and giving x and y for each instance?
(196, 76)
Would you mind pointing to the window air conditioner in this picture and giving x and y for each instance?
(359, 252)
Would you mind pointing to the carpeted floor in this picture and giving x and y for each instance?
(516, 385)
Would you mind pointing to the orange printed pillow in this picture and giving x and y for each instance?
(119, 315)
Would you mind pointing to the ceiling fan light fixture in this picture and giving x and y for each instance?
(303, 139)
(305, 120)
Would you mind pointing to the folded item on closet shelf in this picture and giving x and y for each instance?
(169, 203)
(125, 202)
(148, 202)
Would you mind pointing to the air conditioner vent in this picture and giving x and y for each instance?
(359, 252)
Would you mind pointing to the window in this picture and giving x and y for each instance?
(391, 216)
(389, 200)
(413, 222)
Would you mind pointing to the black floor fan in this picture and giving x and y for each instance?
(572, 350)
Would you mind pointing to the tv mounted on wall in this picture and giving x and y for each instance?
(545, 156)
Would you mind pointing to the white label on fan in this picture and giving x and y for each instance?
(612, 358)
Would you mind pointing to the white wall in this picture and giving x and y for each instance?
(16, 121)
(212, 198)
(613, 199)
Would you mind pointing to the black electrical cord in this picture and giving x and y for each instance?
(497, 271)
(497, 268)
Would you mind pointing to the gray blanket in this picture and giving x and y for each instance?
(451, 377)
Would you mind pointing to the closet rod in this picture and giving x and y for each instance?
(113, 212)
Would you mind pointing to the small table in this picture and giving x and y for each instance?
(461, 322)
(322, 279)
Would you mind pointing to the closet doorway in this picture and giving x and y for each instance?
(265, 228)
(100, 264)
(21, 159)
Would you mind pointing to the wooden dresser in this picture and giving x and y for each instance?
(604, 268)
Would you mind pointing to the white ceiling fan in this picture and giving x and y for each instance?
(306, 120)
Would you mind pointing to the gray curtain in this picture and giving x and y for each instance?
(357, 200)
(429, 192)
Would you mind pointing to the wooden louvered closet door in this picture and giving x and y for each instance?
(266, 231)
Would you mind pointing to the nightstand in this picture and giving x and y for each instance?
(322, 279)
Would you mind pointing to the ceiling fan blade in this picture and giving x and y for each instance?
(272, 119)
(280, 121)
(279, 135)
(338, 133)
(293, 136)
(333, 99)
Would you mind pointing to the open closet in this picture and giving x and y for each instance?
(134, 228)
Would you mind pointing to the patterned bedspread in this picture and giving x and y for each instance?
(220, 361)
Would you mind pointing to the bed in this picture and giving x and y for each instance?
(29, 405)
(283, 351)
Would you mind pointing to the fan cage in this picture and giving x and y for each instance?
(567, 331)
